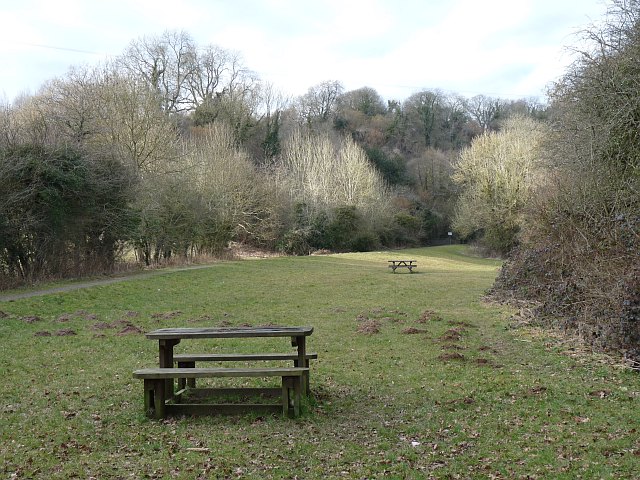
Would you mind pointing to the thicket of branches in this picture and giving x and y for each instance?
(497, 175)
(579, 257)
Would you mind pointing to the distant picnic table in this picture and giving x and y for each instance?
(410, 264)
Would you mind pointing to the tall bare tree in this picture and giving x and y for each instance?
(166, 63)
(485, 110)
(320, 101)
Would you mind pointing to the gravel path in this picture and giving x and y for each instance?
(95, 283)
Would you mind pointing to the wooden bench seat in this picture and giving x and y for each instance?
(155, 394)
(188, 360)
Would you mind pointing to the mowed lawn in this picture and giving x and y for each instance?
(417, 377)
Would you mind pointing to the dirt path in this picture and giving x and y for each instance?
(95, 283)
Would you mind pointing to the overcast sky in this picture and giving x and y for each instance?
(502, 48)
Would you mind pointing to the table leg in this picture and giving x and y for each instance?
(165, 358)
(301, 343)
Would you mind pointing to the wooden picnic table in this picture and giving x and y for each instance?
(168, 338)
(410, 264)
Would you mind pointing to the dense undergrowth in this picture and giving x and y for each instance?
(579, 254)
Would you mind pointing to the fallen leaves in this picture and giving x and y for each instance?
(368, 327)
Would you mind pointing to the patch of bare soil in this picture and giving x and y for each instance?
(452, 335)
(31, 319)
(369, 327)
(446, 357)
(3, 314)
(429, 316)
(42, 334)
(129, 330)
(413, 330)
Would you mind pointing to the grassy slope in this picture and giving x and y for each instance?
(389, 404)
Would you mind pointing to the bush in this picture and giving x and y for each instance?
(365, 242)
(580, 254)
(60, 212)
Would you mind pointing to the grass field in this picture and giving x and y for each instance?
(416, 378)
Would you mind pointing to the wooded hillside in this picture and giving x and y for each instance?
(173, 150)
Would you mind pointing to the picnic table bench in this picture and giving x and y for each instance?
(188, 360)
(156, 396)
(160, 398)
(410, 264)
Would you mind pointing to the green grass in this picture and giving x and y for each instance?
(483, 401)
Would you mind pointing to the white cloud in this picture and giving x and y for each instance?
(498, 47)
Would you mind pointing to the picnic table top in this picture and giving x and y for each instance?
(228, 332)
(402, 261)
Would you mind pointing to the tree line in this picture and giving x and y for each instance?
(172, 150)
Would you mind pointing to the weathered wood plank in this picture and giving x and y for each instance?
(238, 357)
(164, 373)
(233, 391)
(195, 409)
(228, 332)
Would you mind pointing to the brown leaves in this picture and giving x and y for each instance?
(369, 327)
(31, 319)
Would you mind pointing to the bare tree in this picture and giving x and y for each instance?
(166, 63)
(365, 100)
(325, 174)
(484, 110)
(320, 101)
(497, 175)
